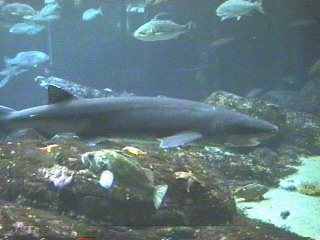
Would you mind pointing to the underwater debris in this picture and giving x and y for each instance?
(51, 148)
(188, 176)
(253, 191)
(127, 172)
(60, 176)
(134, 151)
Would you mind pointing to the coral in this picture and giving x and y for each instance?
(310, 188)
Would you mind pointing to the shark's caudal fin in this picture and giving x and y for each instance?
(4, 131)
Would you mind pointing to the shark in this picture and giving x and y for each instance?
(174, 122)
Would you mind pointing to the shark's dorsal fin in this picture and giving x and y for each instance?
(58, 95)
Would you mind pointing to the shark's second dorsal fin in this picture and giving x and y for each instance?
(58, 95)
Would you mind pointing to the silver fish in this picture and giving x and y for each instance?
(159, 30)
(49, 9)
(91, 14)
(42, 19)
(50, 2)
(10, 72)
(26, 28)
(28, 59)
(238, 8)
(221, 41)
(18, 9)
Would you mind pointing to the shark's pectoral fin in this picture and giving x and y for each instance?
(179, 139)
(241, 142)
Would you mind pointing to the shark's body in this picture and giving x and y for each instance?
(175, 122)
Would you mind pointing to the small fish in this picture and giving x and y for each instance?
(18, 9)
(26, 28)
(42, 19)
(159, 30)
(47, 2)
(222, 41)
(91, 14)
(49, 9)
(27, 59)
(238, 8)
(10, 72)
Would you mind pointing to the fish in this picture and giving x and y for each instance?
(26, 28)
(49, 9)
(173, 122)
(42, 19)
(221, 41)
(154, 2)
(27, 59)
(47, 2)
(10, 72)
(238, 8)
(159, 30)
(18, 9)
(91, 14)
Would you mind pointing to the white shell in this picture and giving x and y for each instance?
(106, 179)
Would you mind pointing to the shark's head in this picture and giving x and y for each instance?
(249, 131)
(241, 130)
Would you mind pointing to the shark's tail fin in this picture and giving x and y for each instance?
(4, 130)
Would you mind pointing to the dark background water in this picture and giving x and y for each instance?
(100, 54)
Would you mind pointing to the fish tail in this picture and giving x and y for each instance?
(4, 81)
(4, 131)
(100, 10)
(260, 7)
(189, 28)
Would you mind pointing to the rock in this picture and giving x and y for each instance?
(177, 232)
(30, 169)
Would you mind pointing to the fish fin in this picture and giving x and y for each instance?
(238, 18)
(159, 194)
(179, 139)
(106, 179)
(240, 142)
(58, 95)
(100, 10)
(260, 7)
(4, 132)
(4, 81)
(189, 27)
(224, 18)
